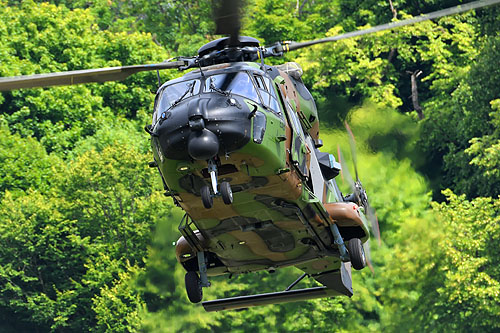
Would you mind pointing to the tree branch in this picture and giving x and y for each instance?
(394, 16)
(394, 12)
(302, 7)
(414, 92)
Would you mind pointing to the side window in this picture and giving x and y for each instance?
(260, 82)
(267, 92)
(297, 127)
(274, 99)
(155, 108)
(269, 85)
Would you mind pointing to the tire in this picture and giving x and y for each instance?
(226, 192)
(194, 289)
(206, 197)
(356, 253)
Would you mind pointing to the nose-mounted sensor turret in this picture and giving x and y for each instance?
(203, 144)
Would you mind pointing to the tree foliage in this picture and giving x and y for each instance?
(460, 127)
(44, 38)
(79, 241)
(468, 282)
(451, 280)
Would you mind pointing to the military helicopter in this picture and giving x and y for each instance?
(236, 142)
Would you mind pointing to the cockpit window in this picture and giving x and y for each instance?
(177, 92)
(267, 92)
(236, 83)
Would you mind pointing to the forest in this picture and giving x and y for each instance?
(87, 238)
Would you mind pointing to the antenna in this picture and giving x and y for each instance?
(159, 78)
(260, 52)
(201, 70)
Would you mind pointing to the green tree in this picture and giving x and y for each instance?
(40, 38)
(469, 274)
(120, 307)
(179, 26)
(77, 243)
(41, 253)
(486, 150)
(467, 115)
(457, 287)
(24, 163)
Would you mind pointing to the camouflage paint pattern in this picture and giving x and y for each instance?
(271, 184)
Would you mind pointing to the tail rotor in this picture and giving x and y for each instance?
(358, 193)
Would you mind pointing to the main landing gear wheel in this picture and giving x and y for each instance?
(226, 192)
(357, 253)
(206, 197)
(193, 287)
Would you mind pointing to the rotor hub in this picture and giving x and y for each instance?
(223, 43)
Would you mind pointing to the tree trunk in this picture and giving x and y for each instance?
(414, 93)
(394, 12)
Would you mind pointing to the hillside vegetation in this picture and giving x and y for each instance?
(86, 233)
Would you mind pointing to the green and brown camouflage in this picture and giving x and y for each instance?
(283, 204)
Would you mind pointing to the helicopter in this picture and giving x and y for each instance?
(236, 143)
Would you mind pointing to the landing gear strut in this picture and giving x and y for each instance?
(195, 282)
(224, 189)
(344, 255)
(212, 170)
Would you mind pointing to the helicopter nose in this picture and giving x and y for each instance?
(203, 145)
(201, 128)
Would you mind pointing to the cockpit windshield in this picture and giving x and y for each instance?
(238, 83)
(176, 92)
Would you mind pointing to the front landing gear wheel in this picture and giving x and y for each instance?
(357, 253)
(193, 287)
(226, 192)
(206, 197)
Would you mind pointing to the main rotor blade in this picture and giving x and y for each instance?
(80, 76)
(290, 46)
(227, 19)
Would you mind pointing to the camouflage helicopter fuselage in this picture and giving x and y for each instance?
(261, 126)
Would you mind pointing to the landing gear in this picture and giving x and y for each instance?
(195, 282)
(193, 287)
(212, 170)
(226, 192)
(357, 253)
(344, 255)
(223, 189)
(206, 197)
